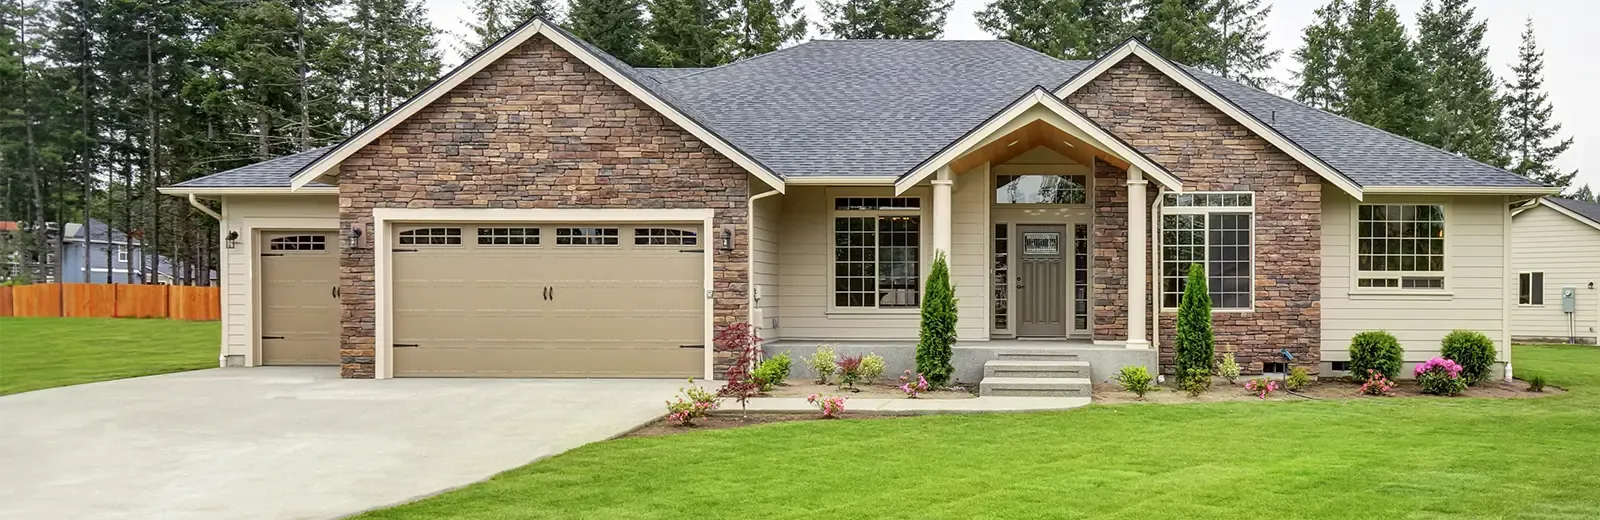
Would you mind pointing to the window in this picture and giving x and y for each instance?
(298, 243)
(1040, 189)
(1214, 230)
(663, 237)
(1272, 367)
(877, 245)
(1002, 276)
(1530, 288)
(122, 254)
(431, 237)
(508, 236)
(1080, 278)
(1400, 246)
(1341, 366)
(586, 236)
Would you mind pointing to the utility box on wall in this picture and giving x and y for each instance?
(1569, 299)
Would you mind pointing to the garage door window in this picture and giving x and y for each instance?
(299, 243)
(431, 237)
(512, 236)
(586, 236)
(663, 237)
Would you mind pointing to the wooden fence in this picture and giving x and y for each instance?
(102, 300)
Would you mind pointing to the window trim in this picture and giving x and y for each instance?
(1535, 299)
(1356, 274)
(924, 244)
(122, 253)
(1160, 244)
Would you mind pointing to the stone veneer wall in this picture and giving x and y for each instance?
(536, 129)
(1211, 152)
(1110, 255)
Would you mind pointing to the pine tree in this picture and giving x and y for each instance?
(1195, 349)
(1320, 84)
(1528, 118)
(767, 25)
(1242, 53)
(520, 11)
(490, 20)
(1183, 31)
(393, 58)
(689, 33)
(1583, 194)
(1379, 69)
(1462, 108)
(614, 26)
(939, 317)
(1067, 29)
(891, 19)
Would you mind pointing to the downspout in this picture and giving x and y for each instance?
(204, 208)
(1155, 281)
(750, 256)
(222, 356)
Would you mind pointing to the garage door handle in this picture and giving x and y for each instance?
(691, 346)
(272, 337)
(335, 291)
(406, 345)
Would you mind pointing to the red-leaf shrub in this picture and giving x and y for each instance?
(741, 383)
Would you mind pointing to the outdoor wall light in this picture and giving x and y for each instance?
(355, 237)
(725, 238)
(233, 239)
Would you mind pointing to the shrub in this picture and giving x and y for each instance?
(849, 371)
(694, 403)
(1298, 379)
(1377, 384)
(1262, 387)
(1374, 350)
(913, 387)
(831, 406)
(823, 363)
(1440, 376)
(773, 371)
(938, 324)
(1196, 345)
(741, 381)
(871, 368)
(1473, 351)
(1134, 378)
(1536, 383)
(1229, 368)
(1196, 382)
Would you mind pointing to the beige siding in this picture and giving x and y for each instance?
(242, 214)
(1475, 279)
(970, 262)
(1568, 253)
(764, 221)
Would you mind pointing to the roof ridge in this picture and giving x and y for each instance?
(738, 61)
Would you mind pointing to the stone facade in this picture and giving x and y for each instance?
(1110, 253)
(536, 129)
(1209, 151)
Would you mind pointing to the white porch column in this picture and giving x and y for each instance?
(1136, 259)
(942, 184)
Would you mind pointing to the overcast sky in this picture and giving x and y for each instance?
(1562, 25)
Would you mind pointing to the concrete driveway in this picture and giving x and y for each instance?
(280, 442)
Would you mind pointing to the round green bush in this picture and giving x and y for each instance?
(1473, 351)
(1376, 350)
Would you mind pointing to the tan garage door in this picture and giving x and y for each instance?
(299, 303)
(548, 300)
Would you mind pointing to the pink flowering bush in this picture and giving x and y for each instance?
(831, 405)
(1377, 384)
(1440, 376)
(1262, 387)
(695, 403)
(912, 388)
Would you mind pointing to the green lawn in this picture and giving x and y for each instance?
(1367, 458)
(37, 353)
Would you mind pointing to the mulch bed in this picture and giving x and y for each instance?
(1111, 393)
(886, 389)
(726, 419)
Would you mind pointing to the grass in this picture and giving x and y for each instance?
(38, 353)
(1362, 458)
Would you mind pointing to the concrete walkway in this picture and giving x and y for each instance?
(921, 406)
(288, 443)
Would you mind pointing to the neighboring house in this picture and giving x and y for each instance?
(107, 243)
(1556, 247)
(546, 210)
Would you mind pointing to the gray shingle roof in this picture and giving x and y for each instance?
(1588, 210)
(272, 173)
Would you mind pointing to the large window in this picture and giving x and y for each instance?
(1400, 246)
(1530, 289)
(1214, 230)
(1040, 189)
(877, 245)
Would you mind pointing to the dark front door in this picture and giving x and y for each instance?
(1042, 280)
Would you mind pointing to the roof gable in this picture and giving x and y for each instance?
(1584, 212)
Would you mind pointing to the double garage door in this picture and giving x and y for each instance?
(548, 300)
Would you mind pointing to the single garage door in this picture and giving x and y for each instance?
(548, 300)
(299, 298)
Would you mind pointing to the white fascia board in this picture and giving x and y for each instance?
(1077, 125)
(329, 162)
(840, 180)
(1136, 48)
(1462, 190)
(219, 191)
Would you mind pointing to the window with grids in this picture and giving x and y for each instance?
(299, 243)
(1040, 189)
(664, 237)
(586, 236)
(1400, 246)
(1530, 289)
(877, 252)
(508, 236)
(1215, 231)
(431, 237)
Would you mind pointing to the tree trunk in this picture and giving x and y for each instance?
(305, 89)
(153, 253)
(41, 236)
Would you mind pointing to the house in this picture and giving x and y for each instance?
(1555, 248)
(546, 210)
(113, 256)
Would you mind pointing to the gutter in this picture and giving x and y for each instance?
(1152, 275)
(203, 208)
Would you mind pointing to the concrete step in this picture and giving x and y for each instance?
(1035, 368)
(1037, 354)
(1035, 387)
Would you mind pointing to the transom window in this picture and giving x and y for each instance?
(877, 252)
(508, 236)
(664, 237)
(438, 236)
(586, 236)
(299, 243)
(1400, 246)
(1040, 189)
(1530, 288)
(1215, 231)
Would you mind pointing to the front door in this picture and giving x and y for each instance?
(1042, 281)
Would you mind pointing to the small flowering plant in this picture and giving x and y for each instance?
(850, 372)
(1377, 384)
(695, 403)
(1440, 376)
(913, 387)
(831, 405)
(1262, 387)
